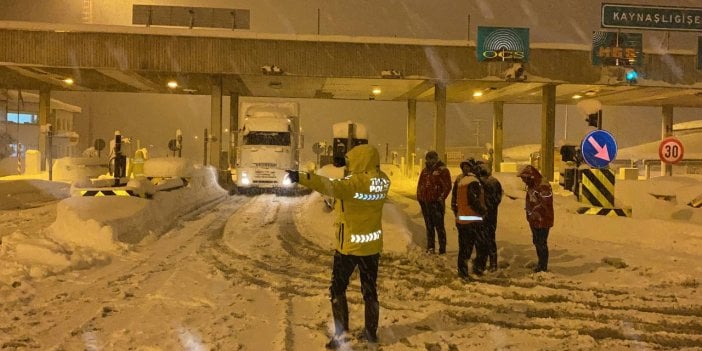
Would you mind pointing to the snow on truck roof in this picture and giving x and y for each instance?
(266, 123)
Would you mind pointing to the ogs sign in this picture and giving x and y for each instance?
(503, 44)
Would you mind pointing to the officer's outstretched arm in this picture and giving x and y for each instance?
(336, 188)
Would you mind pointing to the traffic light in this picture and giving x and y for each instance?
(593, 120)
(631, 76)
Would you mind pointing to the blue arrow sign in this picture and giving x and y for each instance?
(599, 148)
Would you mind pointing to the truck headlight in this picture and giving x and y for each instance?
(245, 179)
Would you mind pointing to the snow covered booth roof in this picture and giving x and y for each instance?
(341, 130)
(31, 102)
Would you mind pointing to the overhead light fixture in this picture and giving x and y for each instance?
(68, 81)
(591, 93)
(577, 96)
(376, 90)
(172, 84)
(478, 93)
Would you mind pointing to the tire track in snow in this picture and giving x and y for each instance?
(513, 299)
(118, 279)
(269, 252)
(541, 303)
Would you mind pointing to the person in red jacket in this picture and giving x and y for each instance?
(433, 188)
(539, 212)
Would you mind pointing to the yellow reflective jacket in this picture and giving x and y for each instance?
(360, 198)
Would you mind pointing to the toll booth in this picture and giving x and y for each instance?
(569, 176)
(346, 136)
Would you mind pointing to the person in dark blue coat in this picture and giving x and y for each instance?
(493, 196)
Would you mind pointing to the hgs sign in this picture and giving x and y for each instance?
(503, 44)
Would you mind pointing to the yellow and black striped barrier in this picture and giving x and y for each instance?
(597, 190)
(112, 192)
(597, 187)
(696, 202)
(609, 212)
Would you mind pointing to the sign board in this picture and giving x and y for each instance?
(617, 49)
(651, 17)
(503, 44)
(670, 150)
(599, 148)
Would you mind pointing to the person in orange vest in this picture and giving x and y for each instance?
(539, 212)
(468, 205)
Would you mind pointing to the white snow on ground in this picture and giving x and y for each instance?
(89, 229)
(195, 269)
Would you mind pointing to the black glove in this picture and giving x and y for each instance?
(293, 175)
(339, 161)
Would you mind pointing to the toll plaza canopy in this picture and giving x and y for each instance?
(144, 59)
(38, 56)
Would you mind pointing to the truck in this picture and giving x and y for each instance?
(269, 142)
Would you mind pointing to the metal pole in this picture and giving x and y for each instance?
(387, 150)
(565, 123)
(179, 142)
(50, 142)
(204, 160)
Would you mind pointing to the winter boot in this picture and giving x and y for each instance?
(493, 262)
(367, 336)
(337, 342)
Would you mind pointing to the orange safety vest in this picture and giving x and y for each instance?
(466, 214)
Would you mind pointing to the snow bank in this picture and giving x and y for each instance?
(77, 168)
(108, 221)
(88, 230)
(24, 193)
(168, 167)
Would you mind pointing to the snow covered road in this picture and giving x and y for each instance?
(252, 273)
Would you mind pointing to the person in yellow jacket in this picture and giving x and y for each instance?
(359, 235)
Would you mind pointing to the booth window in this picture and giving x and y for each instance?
(22, 118)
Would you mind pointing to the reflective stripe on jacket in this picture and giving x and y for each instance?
(468, 201)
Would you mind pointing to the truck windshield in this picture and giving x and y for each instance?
(267, 138)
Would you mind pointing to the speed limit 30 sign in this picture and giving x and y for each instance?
(670, 150)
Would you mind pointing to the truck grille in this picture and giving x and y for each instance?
(265, 165)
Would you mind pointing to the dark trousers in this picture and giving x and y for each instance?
(490, 226)
(470, 235)
(539, 236)
(433, 213)
(343, 267)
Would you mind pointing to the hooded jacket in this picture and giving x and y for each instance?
(360, 198)
(434, 183)
(539, 198)
(493, 193)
